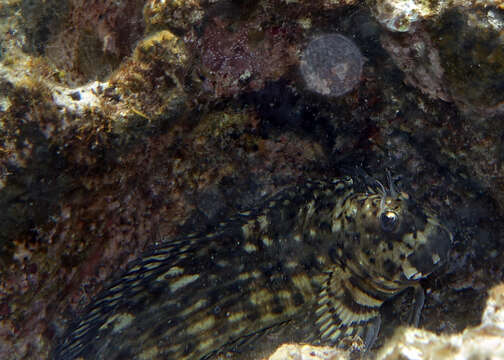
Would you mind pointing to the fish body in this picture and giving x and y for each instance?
(321, 253)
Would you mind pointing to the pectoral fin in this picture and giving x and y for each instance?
(416, 311)
(346, 310)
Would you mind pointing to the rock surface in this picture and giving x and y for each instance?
(485, 341)
(307, 352)
(123, 124)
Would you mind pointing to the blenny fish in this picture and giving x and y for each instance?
(323, 254)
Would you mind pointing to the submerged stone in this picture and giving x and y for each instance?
(331, 65)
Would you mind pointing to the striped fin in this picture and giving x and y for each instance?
(346, 308)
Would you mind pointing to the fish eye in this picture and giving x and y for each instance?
(389, 220)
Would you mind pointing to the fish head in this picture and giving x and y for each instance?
(398, 239)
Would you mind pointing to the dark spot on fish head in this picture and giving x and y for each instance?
(333, 254)
(253, 315)
(390, 268)
(277, 307)
(298, 299)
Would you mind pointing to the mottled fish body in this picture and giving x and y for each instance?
(321, 252)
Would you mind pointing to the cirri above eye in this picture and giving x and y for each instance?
(389, 220)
